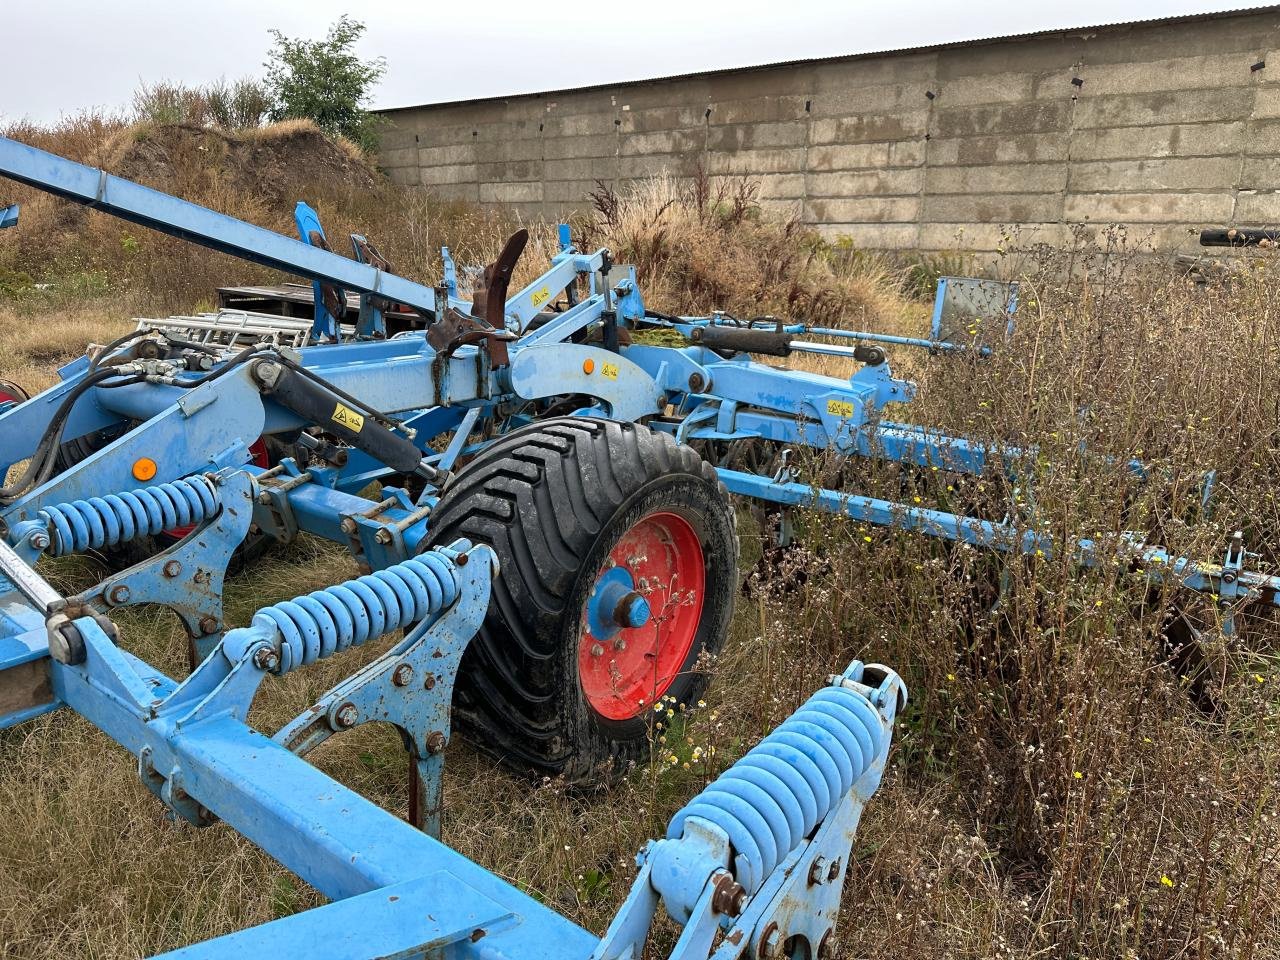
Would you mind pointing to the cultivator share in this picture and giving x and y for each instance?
(553, 534)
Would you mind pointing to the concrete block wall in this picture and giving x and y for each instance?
(1170, 126)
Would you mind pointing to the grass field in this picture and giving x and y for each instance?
(1054, 791)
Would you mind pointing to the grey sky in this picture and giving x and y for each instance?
(60, 56)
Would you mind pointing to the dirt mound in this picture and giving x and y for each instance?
(276, 164)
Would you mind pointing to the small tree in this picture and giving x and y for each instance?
(323, 80)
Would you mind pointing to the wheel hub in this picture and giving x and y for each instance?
(642, 616)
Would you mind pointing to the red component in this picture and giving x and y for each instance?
(12, 393)
(258, 457)
(629, 672)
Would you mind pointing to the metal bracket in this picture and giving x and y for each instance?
(188, 576)
(411, 687)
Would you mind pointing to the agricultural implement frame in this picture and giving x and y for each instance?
(753, 866)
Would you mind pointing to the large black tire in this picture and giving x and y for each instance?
(552, 500)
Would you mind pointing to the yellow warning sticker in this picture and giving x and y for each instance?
(609, 370)
(541, 296)
(344, 416)
(840, 408)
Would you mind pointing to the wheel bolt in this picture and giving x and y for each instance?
(172, 569)
(596, 650)
(402, 675)
(119, 594)
(347, 715)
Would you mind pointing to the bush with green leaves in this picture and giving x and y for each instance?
(326, 81)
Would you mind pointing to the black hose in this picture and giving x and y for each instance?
(44, 459)
(118, 342)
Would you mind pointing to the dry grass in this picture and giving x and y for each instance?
(1054, 792)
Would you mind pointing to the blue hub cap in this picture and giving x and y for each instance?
(614, 604)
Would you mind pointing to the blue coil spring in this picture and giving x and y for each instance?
(770, 800)
(99, 522)
(331, 620)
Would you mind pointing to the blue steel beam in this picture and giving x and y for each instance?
(135, 203)
(1158, 564)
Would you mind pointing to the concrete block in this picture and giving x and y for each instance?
(563, 148)
(407, 157)
(1156, 41)
(405, 176)
(1182, 207)
(967, 237)
(656, 165)
(510, 170)
(852, 156)
(1016, 148)
(781, 209)
(1172, 140)
(1260, 173)
(863, 98)
(908, 153)
(997, 178)
(863, 210)
(1000, 208)
(763, 109)
(568, 191)
(580, 125)
(584, 168)
(1180, 173)
(1266, 100)
(1262, 138)
(529, 148)
(782, 186)
(1208, 72)
(459, 192)
(662, 141)
(870, 71)
(660, 118)
(511, 192)
(442, 135)
(751, 84)
(1182, 106)
(1256, 208)
(867, 128)
(1002, 119)
(397, 138)
(986, 88)
(1018, 56)
(448, 173)
(782, 160)
(870, 236)
(753, 136)
(905, 181)
(452, 154)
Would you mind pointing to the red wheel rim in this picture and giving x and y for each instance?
(626, 673)
(258, 457)
(11, 393)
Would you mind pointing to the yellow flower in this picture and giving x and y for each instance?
(868, 539)
(1260, 678)
(1165, 881)
(951, 677)
(1078, 775)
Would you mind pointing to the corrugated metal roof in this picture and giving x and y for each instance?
(924, 48)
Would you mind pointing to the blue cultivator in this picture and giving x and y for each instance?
(559, 558)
